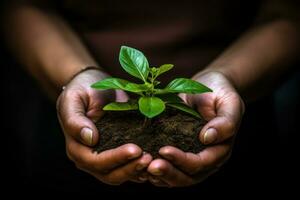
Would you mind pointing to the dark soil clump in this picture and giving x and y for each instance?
(173, 128)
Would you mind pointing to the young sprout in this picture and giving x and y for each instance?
(153, 100)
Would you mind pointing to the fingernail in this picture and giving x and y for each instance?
(133, 153)
(210, 136)
(87, 135)
(156, 172)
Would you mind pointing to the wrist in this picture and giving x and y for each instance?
(83, 69)
(85, 77)
(86, 70)
(221, 71)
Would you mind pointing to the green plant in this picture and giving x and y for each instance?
(152, 100)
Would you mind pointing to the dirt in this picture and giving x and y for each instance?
(173, 128)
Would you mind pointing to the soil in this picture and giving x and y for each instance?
(172, 127)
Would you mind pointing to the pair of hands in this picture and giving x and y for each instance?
(79, 105)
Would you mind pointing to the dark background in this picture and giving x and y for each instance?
(33, 160)
(33, 155)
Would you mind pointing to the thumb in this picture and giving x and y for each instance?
(229, 112)
(73, 119)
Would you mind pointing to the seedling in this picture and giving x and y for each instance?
(153, 100)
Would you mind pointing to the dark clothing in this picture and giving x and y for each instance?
(189, 34)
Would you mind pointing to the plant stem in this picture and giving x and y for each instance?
(152, 84)
(146, 122)
(141, 93)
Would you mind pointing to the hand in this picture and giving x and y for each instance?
(223, 109)
(77, 107)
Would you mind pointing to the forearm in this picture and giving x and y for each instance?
(45, 45)
(259, 57)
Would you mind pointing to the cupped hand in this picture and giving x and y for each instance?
(77, 107)
(223, 109)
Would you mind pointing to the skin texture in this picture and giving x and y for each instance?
(247, 63)
(223, 109)
(78, 106)
(236, 72)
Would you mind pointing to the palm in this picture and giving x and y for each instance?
(78, 106)
(223, 109)
(97, 99)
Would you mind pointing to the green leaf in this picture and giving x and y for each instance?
(110, 83)
(136, 88)
(116, 106)
(134, 62)
(153, 70)
(163, 68)
(117, 83)
(184, 85)
(151, 106)
(185, 108)
(170, 98)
